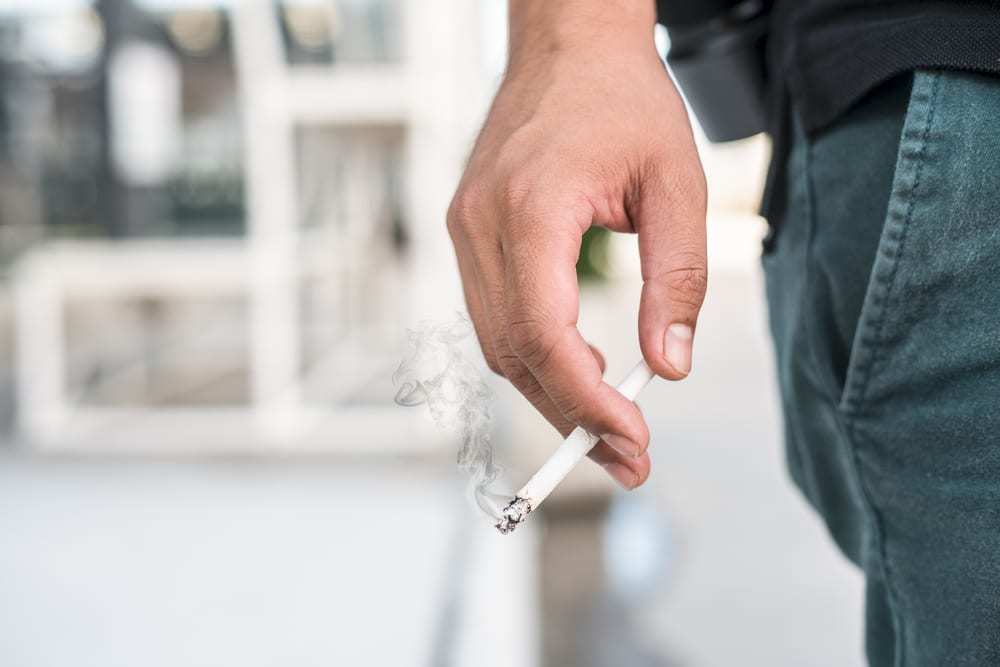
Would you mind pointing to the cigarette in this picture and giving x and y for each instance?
(564, 459)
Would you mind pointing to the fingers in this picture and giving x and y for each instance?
(485, 277)
(542, 303)
(474, 304)
(670, 219)
(621, 464)
(487, 268)
(628, 472)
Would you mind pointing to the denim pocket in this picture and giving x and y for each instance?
(881, 297)
(920, 410)
(838, 190)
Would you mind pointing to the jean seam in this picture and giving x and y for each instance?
(870, 331)
(869, 346)
(804, 327)
(809, 331)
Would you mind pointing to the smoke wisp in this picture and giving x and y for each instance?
(439, 375)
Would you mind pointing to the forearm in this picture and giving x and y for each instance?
(550, 26)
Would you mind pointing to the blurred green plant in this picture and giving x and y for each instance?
(594, 264)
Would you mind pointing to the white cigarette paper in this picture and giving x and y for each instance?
(565, 458)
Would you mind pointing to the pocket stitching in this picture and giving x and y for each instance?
(868, 351)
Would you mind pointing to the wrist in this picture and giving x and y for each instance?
(544, 28)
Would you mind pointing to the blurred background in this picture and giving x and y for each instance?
(217, 219)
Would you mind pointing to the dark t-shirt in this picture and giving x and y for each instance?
(827, 54)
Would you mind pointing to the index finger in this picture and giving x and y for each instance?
(542, 303)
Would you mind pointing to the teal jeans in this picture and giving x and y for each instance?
(883, 282)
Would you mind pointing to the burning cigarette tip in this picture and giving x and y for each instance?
(516, 511)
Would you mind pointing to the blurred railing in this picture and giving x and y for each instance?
(286, 338)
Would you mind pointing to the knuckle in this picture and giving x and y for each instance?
(512, 368)
(572, 409)
(533, 392)
(579, 408)
(526, 194)
(463, 210)
(687, 284)
(531, 340)
(452, 228)
(493, 363)
(515, 195)
(521, 377)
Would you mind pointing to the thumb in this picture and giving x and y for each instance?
(670, 220)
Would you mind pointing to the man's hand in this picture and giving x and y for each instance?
(587, 129)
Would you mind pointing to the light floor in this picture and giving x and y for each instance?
(717, 563)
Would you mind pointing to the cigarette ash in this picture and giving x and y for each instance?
(439, 375)
(516, 511)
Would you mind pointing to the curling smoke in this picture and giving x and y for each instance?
(437, 374)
